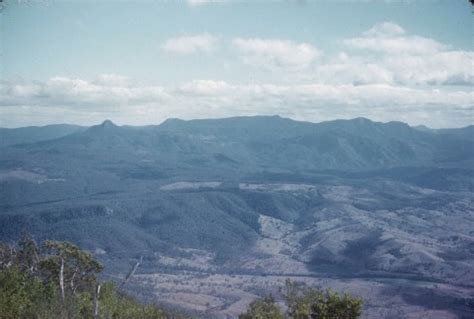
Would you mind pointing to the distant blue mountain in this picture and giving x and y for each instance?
(32, 134)
(264, 141)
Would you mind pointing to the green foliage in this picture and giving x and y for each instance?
(28, 254)
(7, 256)
(113, 304)
(80, 268)
(23, 295)
(25, 256)
(264, 308)
(30, 285)
(306, 303)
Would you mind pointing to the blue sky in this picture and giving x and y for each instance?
(140, 62)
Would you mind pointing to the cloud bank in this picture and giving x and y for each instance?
(92, 102)
(385, 73)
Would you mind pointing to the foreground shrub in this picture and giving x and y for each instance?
(61, 283)
(264, 308)
(306, 303)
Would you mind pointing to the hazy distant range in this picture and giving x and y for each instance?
(225, 210)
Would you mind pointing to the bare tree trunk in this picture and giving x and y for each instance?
(96, 302)
(61, 278)
(131, 273)
(72, 281)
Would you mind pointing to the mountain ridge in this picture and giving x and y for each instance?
(167, 121)
(273, 141)
(252, 196)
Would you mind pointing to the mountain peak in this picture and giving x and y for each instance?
(106, 126)
(108, 123)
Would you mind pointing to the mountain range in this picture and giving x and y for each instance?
(378, 208)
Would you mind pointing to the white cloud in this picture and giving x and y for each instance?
(111, 80)
(384, 29)
(81, 101)
(390, 38)
(395, 44)
(77, 93)
(191, 44)
(384, 73)
(450, 68)
(407, 59)
(384, 54)
(203, 87)
(347, 69)
(273, 53)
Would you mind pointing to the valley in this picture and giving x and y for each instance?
(222, 211)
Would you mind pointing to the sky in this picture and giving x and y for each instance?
(141, 62)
